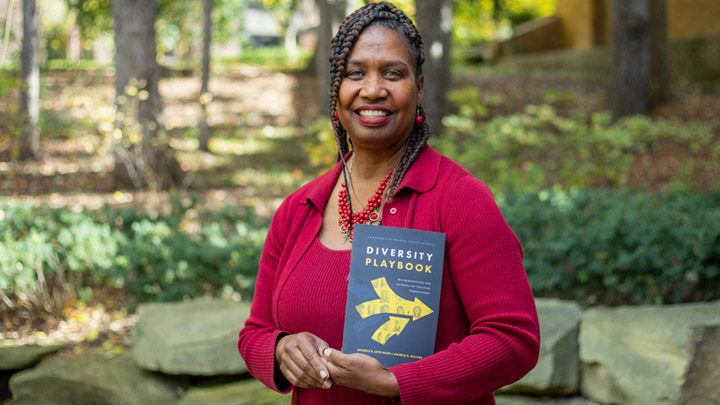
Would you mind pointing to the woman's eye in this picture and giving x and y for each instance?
(355, 74)
(393, 74)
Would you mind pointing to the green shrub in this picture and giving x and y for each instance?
(7, 83)
(594, 246)
(613, 247)
(538, 149)
(162, 263)
(187, 252)
(50, 256)
(45, 254)
(320, 146)
(271, 57)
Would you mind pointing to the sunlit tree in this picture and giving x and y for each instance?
(434, 20)
(142, 157)
(177, 24)
(332, 13)
(30, 87)
(205, 134)
(639, 73)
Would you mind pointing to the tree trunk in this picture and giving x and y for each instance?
(205, 130)
(658, 85)
(30, 89)
(434, 19)
(332, 12)
(630, 57)
(142, 158)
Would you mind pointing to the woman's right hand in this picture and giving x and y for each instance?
(301, 361)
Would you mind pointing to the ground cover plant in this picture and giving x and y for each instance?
(539, 148)
(50, 257)
(594, 246)
(600, 246)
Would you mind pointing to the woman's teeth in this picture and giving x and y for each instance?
(373, 113)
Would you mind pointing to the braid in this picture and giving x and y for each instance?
(415, 144)
(387, 15)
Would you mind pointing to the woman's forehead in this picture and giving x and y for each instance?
(378, 39)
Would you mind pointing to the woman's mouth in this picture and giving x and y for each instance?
(373, 116)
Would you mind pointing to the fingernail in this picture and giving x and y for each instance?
(323, 374)
(327, 385)
(326, 352)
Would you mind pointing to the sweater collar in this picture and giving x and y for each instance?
(421, 177)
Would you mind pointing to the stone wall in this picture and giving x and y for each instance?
(624, 355)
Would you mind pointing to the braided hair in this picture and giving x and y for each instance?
(389, 16)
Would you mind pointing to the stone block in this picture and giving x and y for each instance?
(247, 392)
(91, 379)
(557, 371)
(192, 338)
(639, 355)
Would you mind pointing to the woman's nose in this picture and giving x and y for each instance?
(373, 88)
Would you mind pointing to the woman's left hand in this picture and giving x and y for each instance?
(361, 372)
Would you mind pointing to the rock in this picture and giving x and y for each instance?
(192, 338)
(247, 392)
(503, 399)
(638, 355)
(557, 371)
(91, 378)
(702, 378)
(18, 357)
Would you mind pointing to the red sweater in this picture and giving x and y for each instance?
(487, 334)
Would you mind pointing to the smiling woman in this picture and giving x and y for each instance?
(487, 334)
(379, 97)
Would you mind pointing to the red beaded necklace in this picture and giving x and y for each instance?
(370, 214)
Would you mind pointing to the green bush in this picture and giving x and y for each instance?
(613, 247)
(45, 254)
(187, 252)
(165, 263)
(271, 57)
(50, 256)
(320, 146)
(593, 246)
(538, 149)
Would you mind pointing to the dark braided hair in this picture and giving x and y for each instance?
(389, 16)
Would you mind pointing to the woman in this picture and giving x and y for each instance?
(487, 333)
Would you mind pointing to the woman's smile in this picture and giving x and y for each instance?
(373, 115)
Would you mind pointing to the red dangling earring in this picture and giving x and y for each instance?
(336, 116)
(418, 117)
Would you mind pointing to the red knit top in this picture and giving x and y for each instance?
(487, 334)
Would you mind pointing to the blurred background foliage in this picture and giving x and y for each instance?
(483, 21)
(609, 211)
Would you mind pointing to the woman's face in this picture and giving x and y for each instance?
(379, 94)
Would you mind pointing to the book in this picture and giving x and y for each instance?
(393, 293)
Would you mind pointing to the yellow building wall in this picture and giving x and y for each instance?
(587, 23)
(577, 23)
(693, 18)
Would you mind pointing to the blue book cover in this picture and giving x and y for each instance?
(393, 293)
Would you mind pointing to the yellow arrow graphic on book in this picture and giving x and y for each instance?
(391, 328)
(395, 305)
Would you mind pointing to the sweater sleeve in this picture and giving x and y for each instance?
(258, 338)
(484, 259)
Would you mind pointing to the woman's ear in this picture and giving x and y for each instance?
(421, 88)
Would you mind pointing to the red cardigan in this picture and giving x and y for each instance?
(487, 335)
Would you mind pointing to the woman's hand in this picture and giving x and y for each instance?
(361, 372)
(300, 361)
